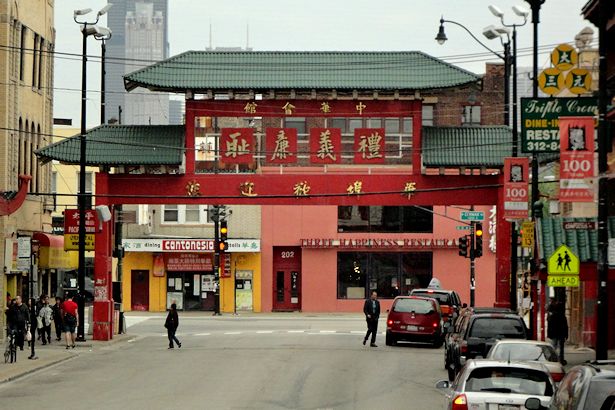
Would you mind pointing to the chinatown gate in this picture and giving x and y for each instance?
(239, 145)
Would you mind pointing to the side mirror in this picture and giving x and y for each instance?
(533, 404)
(445, 384)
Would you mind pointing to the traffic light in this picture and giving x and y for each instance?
(463, 246)
(223, 243)
(478, 240)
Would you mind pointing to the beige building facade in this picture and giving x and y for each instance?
(26, 107)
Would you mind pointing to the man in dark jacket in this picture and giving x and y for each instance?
(557, 329)
(21, 319)
(371, 308)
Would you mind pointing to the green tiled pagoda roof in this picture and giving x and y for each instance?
(267, 70)
(122, 145)
(466, 146)
(584, 243)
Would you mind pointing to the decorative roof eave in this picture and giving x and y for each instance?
(116, 145)
(12, 204)
(157, 77)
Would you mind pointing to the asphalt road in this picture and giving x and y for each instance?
(262, 362)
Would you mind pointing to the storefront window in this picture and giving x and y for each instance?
(406, 219)
(388, 273)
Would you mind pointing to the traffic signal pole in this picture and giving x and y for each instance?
(472, 268)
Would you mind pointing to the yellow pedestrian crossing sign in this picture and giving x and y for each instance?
(563, 262)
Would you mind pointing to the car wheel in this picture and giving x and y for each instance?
(390, 340)
(438, 343)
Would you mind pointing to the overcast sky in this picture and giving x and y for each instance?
(315, 25)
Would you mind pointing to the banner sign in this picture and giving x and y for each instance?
(576, 159)
(281, 145)
(71, 229)
(540, 120)
(325, 145)
(236, 145)
(516, 197)
(188, 262)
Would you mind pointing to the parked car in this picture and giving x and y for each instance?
(477, 332)
(589, 386)
(414, 319)
(498, 384)
(529, 350)
(449, 300)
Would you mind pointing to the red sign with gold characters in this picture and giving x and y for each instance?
(369, 146)
(236, 145)
(281, 145)
(325, 145)
(576, 159)
(187, 262)
(516, 175)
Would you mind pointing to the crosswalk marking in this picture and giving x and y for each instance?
(295, 331)
(264, 331)
(202, 334)
(328, 331)
(232, 333)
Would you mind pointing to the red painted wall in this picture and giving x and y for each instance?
(287, 225)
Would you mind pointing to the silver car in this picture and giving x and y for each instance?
(529, 350)
(484, 384)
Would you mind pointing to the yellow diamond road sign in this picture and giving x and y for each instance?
(563, 262)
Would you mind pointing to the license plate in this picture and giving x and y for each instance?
(412, 328)
(508, 407)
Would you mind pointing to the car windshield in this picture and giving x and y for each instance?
(487, 327)
(413, 305)
(523, 351)
(509, 380)
(443, 298)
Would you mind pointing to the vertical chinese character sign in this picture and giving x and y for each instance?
(369, 146)
(516, 176)
(325, 145)
(236, 145)
(576, 159)
(281, 145)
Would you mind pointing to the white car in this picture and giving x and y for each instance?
(527, 351)
(484, 384)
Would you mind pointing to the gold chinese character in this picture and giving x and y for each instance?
(193, 188)
(234, 148)
(247, 189)
(288, 108)
(326, 148)
(369, 146)
(354, 188)
(409, 189)
(301, 189)
(281, 146)
(250, 108)
(325, 107)
(360, 107)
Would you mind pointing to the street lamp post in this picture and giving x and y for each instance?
(103, 37)
(87, 29)
(521, 12)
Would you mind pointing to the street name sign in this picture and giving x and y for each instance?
(463, 227)
(472, 216)
(563, 281)
(563, 262)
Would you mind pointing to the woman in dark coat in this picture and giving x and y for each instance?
(172, 323)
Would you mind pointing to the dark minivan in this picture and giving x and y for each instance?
(414, 319)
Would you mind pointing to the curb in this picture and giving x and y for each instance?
(36, 369)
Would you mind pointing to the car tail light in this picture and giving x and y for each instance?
(390, 322)
(557, 377)
(435, 324)
(464, 347)
(460, 403)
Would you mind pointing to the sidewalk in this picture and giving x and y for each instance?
(50, 355)
(578, 355)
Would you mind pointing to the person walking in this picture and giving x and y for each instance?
(45, 315)
(557, 330)
(171, 324)
(371, 308)
(21, 320)
(70, 318)
(57, 317)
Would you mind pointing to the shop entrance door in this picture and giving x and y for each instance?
(139, 290)
(287, 279)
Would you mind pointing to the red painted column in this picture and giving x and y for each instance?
(502, 269)
(103, 302)
(417, 137)
(189, 135)
(590, 295)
